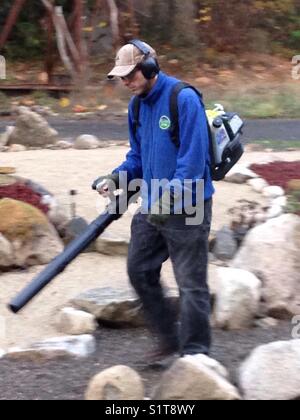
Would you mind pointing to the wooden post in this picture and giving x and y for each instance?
(10, 21)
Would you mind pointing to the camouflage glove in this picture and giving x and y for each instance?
(161, 209)
(108, 183)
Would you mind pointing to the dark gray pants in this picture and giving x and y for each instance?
(187, 246)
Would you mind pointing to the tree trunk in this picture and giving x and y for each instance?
(94, 18)
(78, 27)
(49, 63)
(134, 27)
(114, 21)
(11, 20)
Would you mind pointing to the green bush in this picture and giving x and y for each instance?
(293, 205)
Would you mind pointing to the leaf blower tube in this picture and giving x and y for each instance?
(58, 264)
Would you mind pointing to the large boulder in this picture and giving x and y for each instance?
(33, 239)
(4, 137)
(196, 378)
(116, 383)
(6, 180)
(271, 251)
(111, 306)
(272, 372)
(116, 307)
(32, 130)
(6, 253)
(237, 299)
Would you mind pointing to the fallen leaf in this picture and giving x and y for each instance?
(79, 108)
(64, 102)
(102, 107)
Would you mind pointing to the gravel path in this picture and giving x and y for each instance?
(68, 380)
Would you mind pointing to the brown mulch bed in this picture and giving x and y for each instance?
(23, 193)
(278, 173)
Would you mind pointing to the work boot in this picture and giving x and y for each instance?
(161, 356)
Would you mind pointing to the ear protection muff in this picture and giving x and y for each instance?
(149, 66)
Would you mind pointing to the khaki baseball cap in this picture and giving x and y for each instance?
(128, 57)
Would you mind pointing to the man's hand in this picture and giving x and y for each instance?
(161, 209)
(106, 185)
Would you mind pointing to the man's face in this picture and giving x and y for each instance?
(137, 83)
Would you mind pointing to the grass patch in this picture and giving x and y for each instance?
(293, 205)
(260, 101)
(278, 145)
(4, 102)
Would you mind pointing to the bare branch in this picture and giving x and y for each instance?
(61, 44)
(60, 36)
(114, 20)
(11, 20)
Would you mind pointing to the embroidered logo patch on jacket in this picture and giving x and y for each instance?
(164, 122)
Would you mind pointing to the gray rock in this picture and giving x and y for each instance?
(280, 201)
(193, 378)
(32, 130)
(240, 174)
(73, 229)
(62, 144)
(34, 240)
(109, 244)
(115, 307)
(258, 184)
(116, 383)
(266, 323)
(73, 322)
(4, 137)
(53, 348)
(271, 251)
(6, 252)
(86, 141)
(111, 306)
(273, 192)
(15, 148)
(274, 211)
(237, 298)
(272, 372)
(225, 244)
(39, 189)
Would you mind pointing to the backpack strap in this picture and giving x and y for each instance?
(136, 113)
(174, 130)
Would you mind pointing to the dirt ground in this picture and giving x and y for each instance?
(59, 172)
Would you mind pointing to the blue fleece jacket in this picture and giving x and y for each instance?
(153, 155)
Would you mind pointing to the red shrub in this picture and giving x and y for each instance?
(278, 173)
(23, 193)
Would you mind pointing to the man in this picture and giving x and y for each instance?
(163, 232)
